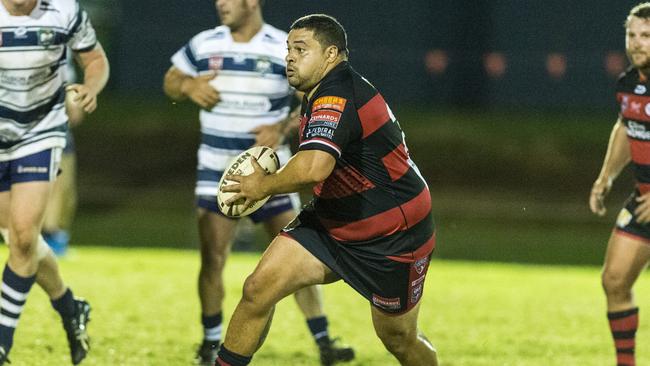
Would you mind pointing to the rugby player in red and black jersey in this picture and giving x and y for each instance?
(628, 251)
(370, 222)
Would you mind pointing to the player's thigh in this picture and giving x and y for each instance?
(4, 208)
(626, 257)
(285, 267)
(216, 232)
(392, 327)
(67, 180)
(276, 223)
(27, 204)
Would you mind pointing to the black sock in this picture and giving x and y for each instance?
(212, 327)
(318, 328)
(64, 305)
(228, 358)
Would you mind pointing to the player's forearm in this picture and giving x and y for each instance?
(174, 85)
(618, 153)
(96, 71)
(303, 171)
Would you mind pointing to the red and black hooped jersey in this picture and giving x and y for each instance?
(375, 190)
(633, 95)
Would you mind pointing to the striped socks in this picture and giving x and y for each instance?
(14, 295)
(623, 325)
(212, 327)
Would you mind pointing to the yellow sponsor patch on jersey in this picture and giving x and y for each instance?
(329, 102)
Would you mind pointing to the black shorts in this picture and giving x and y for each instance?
(391, 279)
(626, 223)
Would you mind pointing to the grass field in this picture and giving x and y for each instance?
(145, 312)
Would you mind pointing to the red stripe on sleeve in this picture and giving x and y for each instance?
(396, 162)
(386, 223)
(373, 115)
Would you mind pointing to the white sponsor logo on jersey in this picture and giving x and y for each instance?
(640, 89)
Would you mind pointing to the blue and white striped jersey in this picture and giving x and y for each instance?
(32, 74)
(253, 87)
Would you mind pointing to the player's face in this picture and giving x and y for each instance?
(637, 42)
(232, 13)
(19, 4)
(306, 60)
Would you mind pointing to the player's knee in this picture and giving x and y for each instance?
(213, 261)
(255, 290)
(397, 340)
(614, 283)
(23, 241)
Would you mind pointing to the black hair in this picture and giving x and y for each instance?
(327, 30)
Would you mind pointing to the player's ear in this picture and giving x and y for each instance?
(332, 53)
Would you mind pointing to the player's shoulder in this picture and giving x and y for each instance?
(218, 33)
(273, 35)
(629, 77)
(63, 8)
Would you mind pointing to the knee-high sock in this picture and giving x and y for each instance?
(623, 325)
(14, 295)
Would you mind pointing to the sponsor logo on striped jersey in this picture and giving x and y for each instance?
(329, 102)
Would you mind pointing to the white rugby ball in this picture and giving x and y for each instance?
(242, 165)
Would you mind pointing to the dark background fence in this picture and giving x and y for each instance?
(507, 107)
(418, 51)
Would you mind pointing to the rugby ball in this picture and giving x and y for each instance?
(242, 165)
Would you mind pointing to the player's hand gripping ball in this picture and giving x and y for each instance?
(242, 165)
(73, 107)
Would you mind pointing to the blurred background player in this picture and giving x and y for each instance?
(236, 74)
(61, 209)
(33, 125)
(370, 222)
(628, 250)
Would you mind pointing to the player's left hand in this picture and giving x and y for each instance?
(85, 97)
(642, 211)
(268, 135)
(250, 187)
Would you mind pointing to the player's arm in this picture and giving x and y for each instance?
(96, 70)
(273, 135)
(616, 158)
(180, 86)
(304, 170)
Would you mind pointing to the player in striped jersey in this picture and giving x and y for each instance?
(33, 123)
(370, 222)
(236, 74)
(628, 250)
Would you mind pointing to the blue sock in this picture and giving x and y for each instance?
(64, 305)
(229, 358)
(318, 327)
(212, 327)
(14, 295)
(57, 240)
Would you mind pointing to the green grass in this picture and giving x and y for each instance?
(145, 312)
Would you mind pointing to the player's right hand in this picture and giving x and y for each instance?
(200, 91)
(599, 191)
